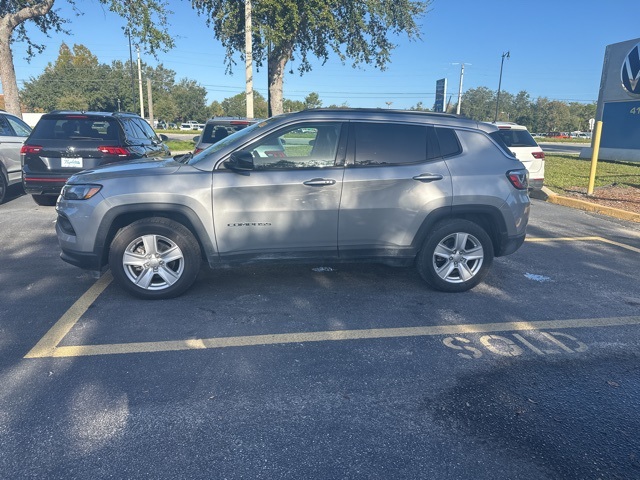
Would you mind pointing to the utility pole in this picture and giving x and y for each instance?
(504, 55)
(140, 83)
(460, 88)
(248, 48)
(150, 101)
(133, 88)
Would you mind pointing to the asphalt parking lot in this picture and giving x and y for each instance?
(326, 371)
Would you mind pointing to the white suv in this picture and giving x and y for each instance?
(525, 149)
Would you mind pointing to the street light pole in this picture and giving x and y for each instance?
(504, 55)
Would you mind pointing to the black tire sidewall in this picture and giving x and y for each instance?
(424, 261)
(4, 186)
(170, 229)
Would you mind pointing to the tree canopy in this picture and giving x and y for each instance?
(290, 30)
(147, 22)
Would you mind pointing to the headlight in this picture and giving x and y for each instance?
(79, 192)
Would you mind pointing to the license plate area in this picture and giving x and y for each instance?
(71, 162)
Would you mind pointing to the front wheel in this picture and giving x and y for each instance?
(456, 256)
(155, 258)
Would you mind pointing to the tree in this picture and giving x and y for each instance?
(479, 104)
(352, 29)
(236, 106)
(146, 21)
(190, 100)
(312, 101)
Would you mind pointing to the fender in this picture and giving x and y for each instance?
(123, 215)
(487, 216)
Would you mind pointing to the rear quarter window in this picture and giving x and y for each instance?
(449, 143)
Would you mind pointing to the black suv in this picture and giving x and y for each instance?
(218, 128)
(64, 143)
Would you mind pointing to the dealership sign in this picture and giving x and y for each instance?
(619, 103)
(631, 71)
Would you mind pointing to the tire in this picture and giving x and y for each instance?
(45, 200)
(456, 256)
(3, 187)
(155, 258)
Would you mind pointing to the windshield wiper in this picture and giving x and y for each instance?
(184, 158)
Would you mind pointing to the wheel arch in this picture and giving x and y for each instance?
(487, 217)
(122, 216)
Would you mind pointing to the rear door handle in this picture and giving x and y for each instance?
(428, 177)
(320, 182)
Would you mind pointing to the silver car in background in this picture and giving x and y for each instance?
(13, 133)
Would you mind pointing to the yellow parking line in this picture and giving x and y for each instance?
(48, 345)
(335, 335)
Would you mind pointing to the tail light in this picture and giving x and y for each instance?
(538, 155)
(197, 150)
(519, 179)
(27, 149)
(111, 150)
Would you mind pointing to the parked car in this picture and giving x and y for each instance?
(526, 149)
(217, 128)
(403, 188)
(63, 143)
(13, 133)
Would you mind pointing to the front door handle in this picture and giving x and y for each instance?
(428, 177)
(320, 182)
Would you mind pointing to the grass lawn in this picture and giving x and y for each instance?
(566, 172)
(180, 146)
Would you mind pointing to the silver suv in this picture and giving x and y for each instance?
(397, 187)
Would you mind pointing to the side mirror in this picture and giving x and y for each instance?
(241, 161)
(196, 138)
(163, 137)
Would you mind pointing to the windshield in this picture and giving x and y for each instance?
(233, 138)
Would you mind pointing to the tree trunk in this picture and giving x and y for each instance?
(277, 62)
(7, 71)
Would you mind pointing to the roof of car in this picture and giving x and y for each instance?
(383, 114)
(102, 114)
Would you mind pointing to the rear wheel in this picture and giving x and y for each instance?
(155, 258)
(456, 256)
(45, 200)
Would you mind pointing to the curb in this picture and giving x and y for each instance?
(551, 197)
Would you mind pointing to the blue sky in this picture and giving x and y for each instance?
(556, 47)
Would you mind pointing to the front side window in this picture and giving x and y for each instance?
(389, 144)
(308, 145)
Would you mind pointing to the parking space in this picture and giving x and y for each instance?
(326, 371)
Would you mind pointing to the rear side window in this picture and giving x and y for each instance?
(389, 144)
(517, 138)
(74, 128)
(449, 143)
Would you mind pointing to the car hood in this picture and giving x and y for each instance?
(132, 168)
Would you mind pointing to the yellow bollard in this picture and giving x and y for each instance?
(594, 158)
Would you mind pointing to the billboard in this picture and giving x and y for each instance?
(619, 103)
(441, 94)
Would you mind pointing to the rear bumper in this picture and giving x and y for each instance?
(43, 184)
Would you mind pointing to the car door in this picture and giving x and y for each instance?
(13, 133)
(287, 205)
(394, 178)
